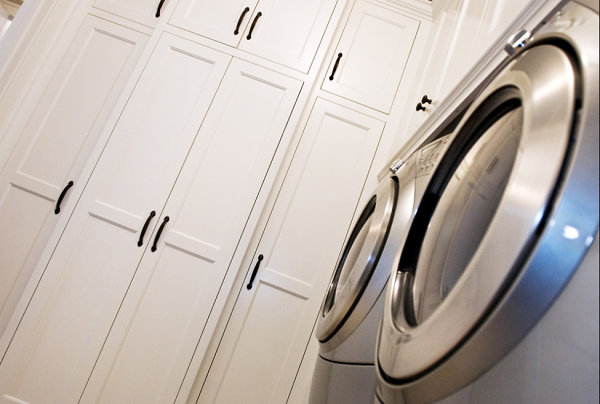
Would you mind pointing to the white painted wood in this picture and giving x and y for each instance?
(55, 144)
(288, 31)
(62, 332)
(375, 47)
(215, 20)
(271, 324)
(142, 11)
(163, 317)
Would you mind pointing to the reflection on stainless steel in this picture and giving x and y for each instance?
(464, 213)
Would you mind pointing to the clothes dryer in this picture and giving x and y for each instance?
(352, 307)
(493, 296)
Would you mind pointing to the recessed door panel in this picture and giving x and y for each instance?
(142, 11)
(166, 309)
(70, 315)
(56, 142)
(288, 31)
(300, 246)
(374, 50)
(216, 20)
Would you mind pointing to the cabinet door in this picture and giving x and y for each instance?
(62, 332)
(288, 31)
(370, 58)
(142, 11)
(215, 20)
(54, 145)
(163, 317)
(271, 323)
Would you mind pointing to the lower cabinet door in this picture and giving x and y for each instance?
(163, 316)
(271, 323)
(63, 330)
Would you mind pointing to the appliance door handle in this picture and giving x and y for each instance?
(158, 233)
(239, 23)
(61, 197)
(335, 66)
(160, 4)
(254, 271)
(258, 15)
(141, 240)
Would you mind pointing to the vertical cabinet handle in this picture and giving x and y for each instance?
(254, 271)
(426, 99)
(160, 4)
(239, 23)
(258, 15)
(141, 240)
(61, 197)
(159, 232)
(420, 107)
(335, 66)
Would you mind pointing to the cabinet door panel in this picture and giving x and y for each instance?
(271, 324)
(142, 11)
(63, 330)
(289, 31)
(164, 314)
(55, 143)
(215, 20)
(375, 48)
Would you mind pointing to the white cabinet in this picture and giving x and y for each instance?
(284, 31)
(371, 56)
(164, 314)
(142, 11)
(64, 328)
(271, 324)
(55, 144)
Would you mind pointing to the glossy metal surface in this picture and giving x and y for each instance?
(542, 228)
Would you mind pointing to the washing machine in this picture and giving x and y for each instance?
(351, 311)
(493, 295)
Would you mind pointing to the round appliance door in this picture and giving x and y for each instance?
(495, 237)
(358, 260)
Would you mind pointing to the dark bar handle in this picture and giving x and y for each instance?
(254, 271)
(258, 15)
(160, 4)
(335, 66)
(141, 240)
(159, 232)
(426, 99)
(237, 27)
(61, 197)
(420, 107)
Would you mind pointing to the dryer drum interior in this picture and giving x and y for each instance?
(481, 242)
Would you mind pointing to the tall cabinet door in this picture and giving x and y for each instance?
(62, 332)
(223, 21)
(288, 31)
(55, 144)
(164, 314)
(271, 323)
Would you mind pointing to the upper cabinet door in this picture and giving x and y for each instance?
(223, 21)
(283, 31)
(288, 31)
(142, 11)
(369, 62)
